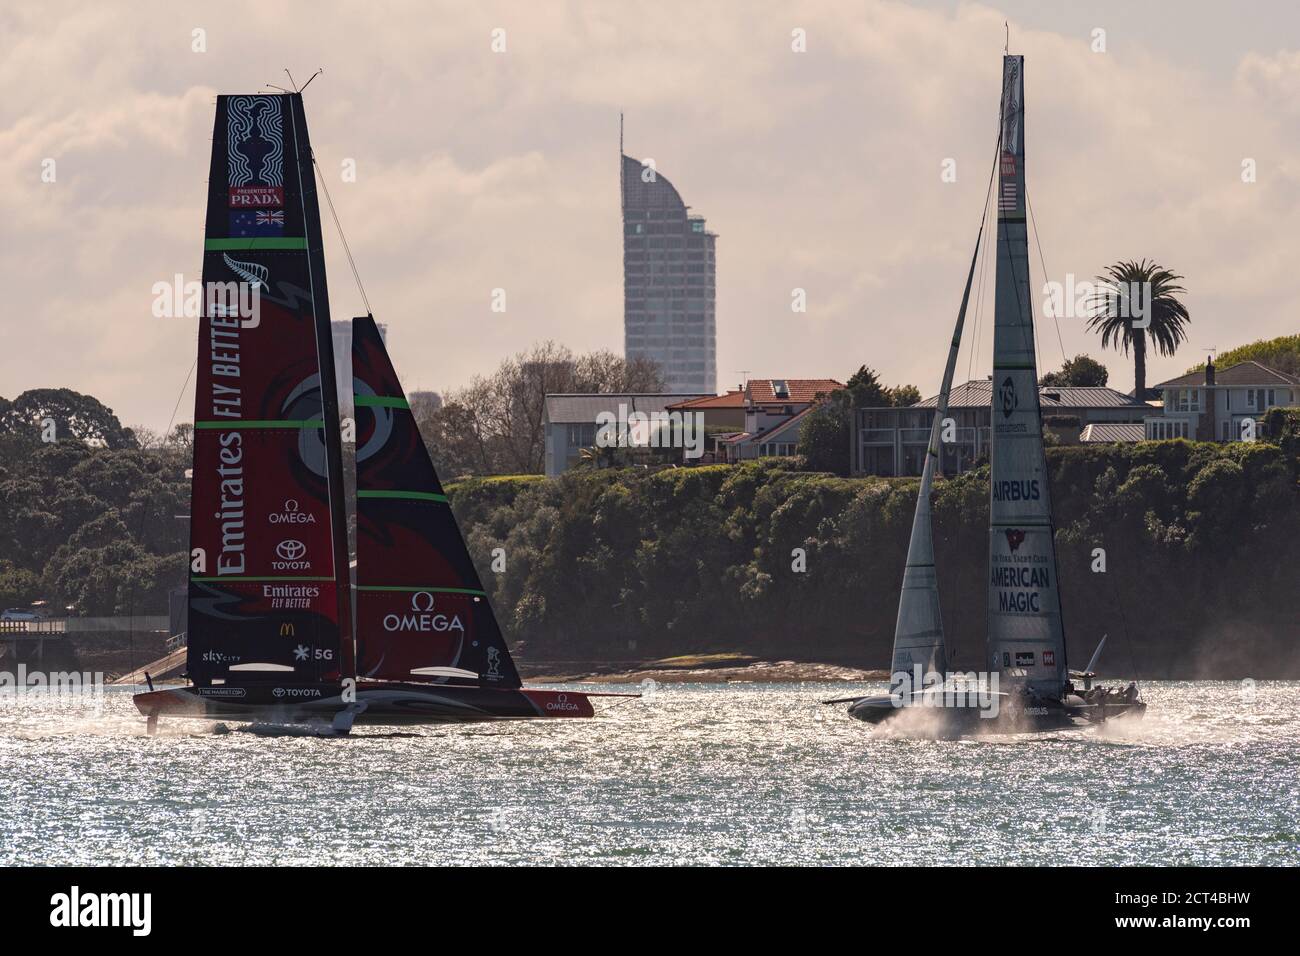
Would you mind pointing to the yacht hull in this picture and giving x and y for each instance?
(1033, 717)
(376, 703)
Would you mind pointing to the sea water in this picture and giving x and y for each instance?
(690, 774)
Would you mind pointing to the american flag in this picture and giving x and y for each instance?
(1007, 201)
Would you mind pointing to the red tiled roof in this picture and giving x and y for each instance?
(760, 390)
(733, 399)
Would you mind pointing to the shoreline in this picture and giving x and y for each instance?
(696, 669)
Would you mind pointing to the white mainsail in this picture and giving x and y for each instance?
(918, 632)
(1025, 634)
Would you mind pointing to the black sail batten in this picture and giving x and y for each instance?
(422, 612)
(268, 601)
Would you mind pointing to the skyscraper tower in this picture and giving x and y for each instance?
(669, 287)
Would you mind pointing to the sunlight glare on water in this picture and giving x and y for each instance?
(718, 774)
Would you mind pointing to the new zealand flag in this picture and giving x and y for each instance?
(256, 222)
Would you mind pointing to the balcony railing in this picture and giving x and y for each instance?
(34, 628)
(877, 436)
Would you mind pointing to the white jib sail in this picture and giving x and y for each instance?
(918, 632)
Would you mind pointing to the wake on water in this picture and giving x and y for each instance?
(1154, 729)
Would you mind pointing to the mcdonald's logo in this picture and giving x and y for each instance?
(287, 629)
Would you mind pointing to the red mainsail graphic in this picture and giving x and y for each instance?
(267, 601)
(422, 613)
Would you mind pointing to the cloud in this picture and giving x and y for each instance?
(1273, 80)
(476, 171)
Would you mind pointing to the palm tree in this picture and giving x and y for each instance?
(1113, 317)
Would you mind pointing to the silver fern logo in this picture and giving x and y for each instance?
(254, 273)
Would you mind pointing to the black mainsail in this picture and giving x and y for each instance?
(268, 592)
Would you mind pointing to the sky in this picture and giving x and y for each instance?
(477, 170)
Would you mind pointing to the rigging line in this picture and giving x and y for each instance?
(1038, 241)
(984, 239)
(605, 710)
(130, 604)
(320, 175)
(989, 237)
(1128, 636)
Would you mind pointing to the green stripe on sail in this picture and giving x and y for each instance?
(255, 244)
(418, 590)
(404, 495)
(1003, 367)
(381, 401)
(242, 577)
(236, 423)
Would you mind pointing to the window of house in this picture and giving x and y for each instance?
(581, 435)
(1163, 430)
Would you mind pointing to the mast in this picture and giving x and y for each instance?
(918, 631)
(1025, 631)
(333, 431)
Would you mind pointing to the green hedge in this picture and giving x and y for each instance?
(1202, 547)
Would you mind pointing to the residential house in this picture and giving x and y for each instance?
(721, 412)
(571, 420)
(892, 441)
(774, 412)
(1215, 404)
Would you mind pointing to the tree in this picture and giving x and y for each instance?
(1114, 314)
(864, 390)
(182, 437)
(824, 437)
(74, 415)
(903, 395)
(1080, 371)
(18, 586)
(146, 437)
(1282, 354)
(494, 425)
